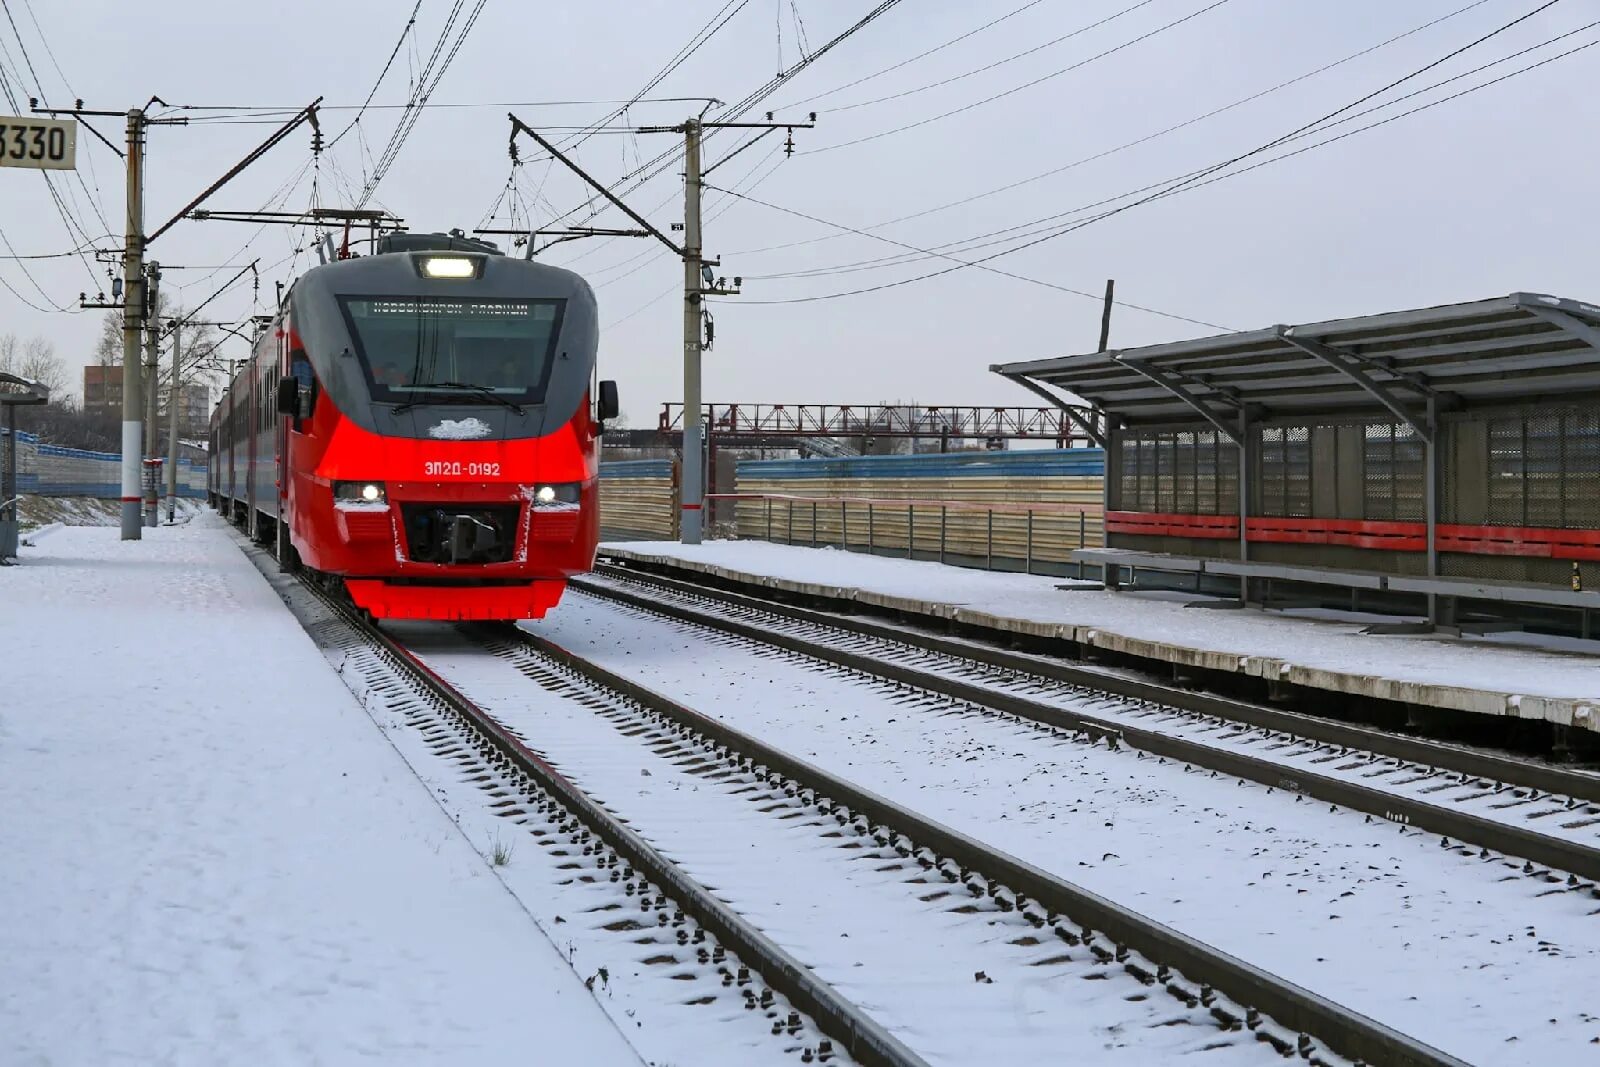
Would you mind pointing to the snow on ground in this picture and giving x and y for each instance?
(212, 856)
(1467, 955)
(1318, 644)
(36, 511)
(901, 943)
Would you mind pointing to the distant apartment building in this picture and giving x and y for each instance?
(102, 396)
(102, 391)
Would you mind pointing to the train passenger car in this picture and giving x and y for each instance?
(421, 426)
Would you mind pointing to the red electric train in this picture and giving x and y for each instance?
(422, 427)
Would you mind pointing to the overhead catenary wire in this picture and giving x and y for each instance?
(919, 56)
(638, 177)
(1097, 297)
(1025, 229)
(76, 231)
(1199, 178)
(428, 81)
(1241, 101)
(411, 23)
(964, 108)
(697, 41)
(751, 180)
(1080, 31)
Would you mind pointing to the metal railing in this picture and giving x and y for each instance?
(965, 532)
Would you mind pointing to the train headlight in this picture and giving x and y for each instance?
(453, 267)
(360, 492)
(548, 496)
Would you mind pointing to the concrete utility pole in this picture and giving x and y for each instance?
(133, 306)
(697, 280)
(152, 378)
(693, 466)
(175, 395)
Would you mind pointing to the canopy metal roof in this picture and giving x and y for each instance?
(1506, 348)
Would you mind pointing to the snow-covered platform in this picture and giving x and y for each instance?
(210, 854)
(1558, 682)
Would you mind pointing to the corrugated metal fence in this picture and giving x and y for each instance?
(1007, 511)
(639, 499)
(50, 470)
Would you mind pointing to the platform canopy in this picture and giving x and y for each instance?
(1514, 347)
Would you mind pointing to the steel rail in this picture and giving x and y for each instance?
(865, 1040)
(1346, 1032)
(1525, 773)
(1567, 856)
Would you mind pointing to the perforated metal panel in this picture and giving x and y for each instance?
(1188, 472)
(1393, 477)
(1506, 488)
(1227, 477)
(1271, 488)
(1128, 473)
(1541, 445)
(1205, 473)
(1581, 468)
(1147, 473)
(1297, 471)
(1183, 500)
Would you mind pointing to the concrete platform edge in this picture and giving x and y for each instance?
(1578, 712)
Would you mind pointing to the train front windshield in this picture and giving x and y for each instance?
(442, 350)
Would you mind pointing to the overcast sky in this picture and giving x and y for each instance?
(1473, 198)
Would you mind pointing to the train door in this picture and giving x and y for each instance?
(252, 404)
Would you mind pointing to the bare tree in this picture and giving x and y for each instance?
(34, 359)
(108, 348)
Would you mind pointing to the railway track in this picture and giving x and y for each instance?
(1142, 974)
(1479, 803)
(636, 905)
(1102, 934)
(968, 954)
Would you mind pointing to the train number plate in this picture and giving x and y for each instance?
(451, 468)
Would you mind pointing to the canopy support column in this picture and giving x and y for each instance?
(1353, 367)
(1244, 500)
(1173, 383)
(1084, 422)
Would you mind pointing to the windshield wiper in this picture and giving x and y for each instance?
(477, 390)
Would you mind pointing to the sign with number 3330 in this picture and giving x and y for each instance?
(39, 144)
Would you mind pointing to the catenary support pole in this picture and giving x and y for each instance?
(174, 395)
(132, 318)
(1105, 315)
(1244, 500)
(152, 378)
(693, 462)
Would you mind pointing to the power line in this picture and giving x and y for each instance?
(694, 44)
(426, 84)
(653, 256)
(75, 230)
(999, 62)
(6, 7)
(1130, 144)
(1212, 6)
(992, 270)
(920, 55)
(58, 255)
(1025, 229)
(1204, 176)
(410, 22)
(641, 175)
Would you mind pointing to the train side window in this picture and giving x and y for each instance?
(300, 371)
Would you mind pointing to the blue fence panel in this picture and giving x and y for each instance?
(1043, 463)
(51, 470)
(636, 468)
